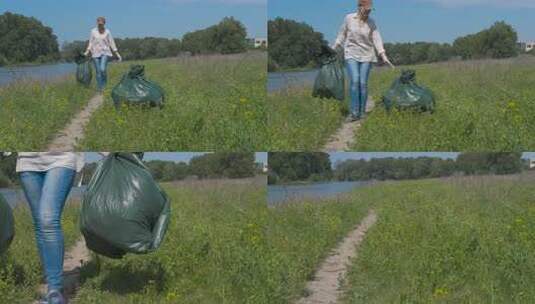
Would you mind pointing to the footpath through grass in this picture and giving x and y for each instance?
(31, 113)
(456, 240)
(298, 122)
(212, 103)
(20, 268)
(224, 245)
(485, 105)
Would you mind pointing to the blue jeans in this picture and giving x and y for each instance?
(101, 65)
(359, 73)
(46, 193)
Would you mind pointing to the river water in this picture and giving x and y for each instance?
(281, 193)
(36, 72)
(282, 80)
(16, 196)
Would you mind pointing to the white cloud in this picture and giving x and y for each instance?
(495, 3)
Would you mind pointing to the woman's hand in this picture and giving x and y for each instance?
(86, 53)
(386, 60)
(119, 56)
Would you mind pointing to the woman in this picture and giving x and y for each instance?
(101, 45)
(47, 178)
(360, 39)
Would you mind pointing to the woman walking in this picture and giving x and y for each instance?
(101, 46)
(361, 42)
(47, 179)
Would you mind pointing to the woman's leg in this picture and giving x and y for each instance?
(364, 72)
(32, 185)
(98, 73)
(104, 71)
(353, 71)
(56, 186)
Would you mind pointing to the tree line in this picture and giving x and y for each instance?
(293, 167)
(296, 45)
(213, 165)
(27, 40)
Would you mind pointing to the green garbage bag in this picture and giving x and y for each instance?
(134, 89)
(405, 93)
(330, 82)
(7, 225)
(124, 210)
(84, 73)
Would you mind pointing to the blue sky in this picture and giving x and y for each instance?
(73, 19)
(414, 20)
(170, 156)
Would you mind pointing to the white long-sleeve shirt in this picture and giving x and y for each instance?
(359, 39)
(44, 161)
(101, 44)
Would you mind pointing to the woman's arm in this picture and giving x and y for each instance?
(378, 43)
(114, 46)
(342, 34)
(89, 44)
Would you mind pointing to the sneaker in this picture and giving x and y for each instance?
(353, 118)
(55, 297)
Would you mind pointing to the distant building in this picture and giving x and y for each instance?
(257, 42)
(532, 163)
(527, 46)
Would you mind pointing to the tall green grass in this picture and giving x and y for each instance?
(484, 105)
(224, 245)
(298, 122)
(20, 267)
(481, 105)
(31, 113)
(212, 103)
(456, 240)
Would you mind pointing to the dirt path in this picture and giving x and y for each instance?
(344, 138)
(74, 259)
(325, 288)
(66, 139)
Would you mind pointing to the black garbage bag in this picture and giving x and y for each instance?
(84, 73)
(330, 82)
(124, 210)
(7, 225)
(134, 89)
(406, 94)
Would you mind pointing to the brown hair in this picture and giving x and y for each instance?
(101, 19)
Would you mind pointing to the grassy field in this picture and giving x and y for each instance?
(298, 122)
(212, 103)
(20, 268)
(459, 240)
(31, 113)
(481, 105)
(224, 245)
(451, 240)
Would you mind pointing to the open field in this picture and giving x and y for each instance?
(216, 251)
(481, 105)
(298, 122)
(20, 268)
(451, 240)
(224, 245)
(31, 112)
(212, 103)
